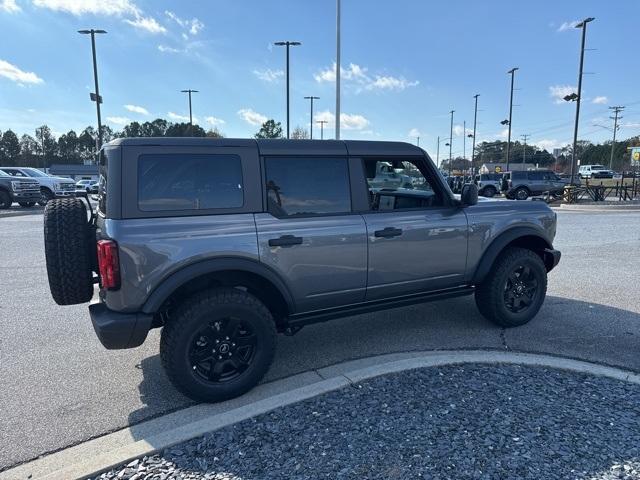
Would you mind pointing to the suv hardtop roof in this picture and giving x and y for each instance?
(282, 146)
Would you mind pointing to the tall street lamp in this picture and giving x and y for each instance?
(311, 98)
(338, 9)
(189, 92)
(321, 122)
(450, 144)
(512, 72)
(578, 97)
(287, 44)
(95, 97)
(473, 146)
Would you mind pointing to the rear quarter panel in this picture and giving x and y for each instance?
(488, 219)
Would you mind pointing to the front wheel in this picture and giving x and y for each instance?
(514, 289)
(45, 196)
(5, 200)
(489, 192)
(521, 193)
(218, 344)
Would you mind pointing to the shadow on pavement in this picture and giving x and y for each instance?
(563, 327)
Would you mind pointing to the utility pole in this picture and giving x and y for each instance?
(95, 97)
(512, 72)
(44, 161)
(473, 147)
(438, 153)
(338, 69)
(312, 98)
(321, 122)
(524, 151)
(574, 156)
(464, 139)
(189, 91)
(287, 44)
(615, 118)
(418, 141)
(450, 141)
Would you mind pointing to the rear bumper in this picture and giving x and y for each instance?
(117, 330)
(552, 258)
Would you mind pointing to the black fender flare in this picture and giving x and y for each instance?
(194, 270)
(500, 242)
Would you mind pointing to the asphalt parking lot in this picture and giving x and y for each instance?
(60, 387)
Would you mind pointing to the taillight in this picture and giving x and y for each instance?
(109, 264)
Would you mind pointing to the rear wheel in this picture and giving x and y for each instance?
(521, 193)
(5, 200)
(514, 289)
(68, 250)
(489, 192)
(218, 344)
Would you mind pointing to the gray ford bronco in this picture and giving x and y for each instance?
(224, 243)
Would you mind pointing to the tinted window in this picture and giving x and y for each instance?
(518, 175)
(306, 186)
(536, 175)
(189, 182)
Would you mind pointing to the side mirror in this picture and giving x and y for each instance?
(469, 195)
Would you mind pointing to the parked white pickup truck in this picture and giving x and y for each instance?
(50, 187)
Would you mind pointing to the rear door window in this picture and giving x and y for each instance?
(170, 182)
(298, 186)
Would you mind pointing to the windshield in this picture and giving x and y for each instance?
(34, 172)
(4, 174)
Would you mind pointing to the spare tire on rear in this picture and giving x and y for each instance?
(67, 246)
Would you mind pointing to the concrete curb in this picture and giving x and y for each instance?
(98, 455)
(21, 213)
(601, 207)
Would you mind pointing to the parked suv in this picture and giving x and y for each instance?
(522, 185)
(25, 192)
(595, 171)
(50, 187)
(489, 184)
(223, 243)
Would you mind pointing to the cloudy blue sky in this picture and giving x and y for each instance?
(406, 64)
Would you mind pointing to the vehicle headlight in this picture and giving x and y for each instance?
(15, 185)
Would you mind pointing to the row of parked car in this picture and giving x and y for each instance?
(28, 186)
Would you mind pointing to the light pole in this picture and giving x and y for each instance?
(95, 97)
(438, 151)
(189, 92)
(450, 141)
(464, 139)
(287, 44)
(338, 69)
(615, 118)
(512, 72)
(578, 98)
(473, 147)
(321, 122)
(311, 98)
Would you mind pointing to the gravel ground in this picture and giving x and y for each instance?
(467, 421)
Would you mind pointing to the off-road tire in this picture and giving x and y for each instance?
(5, 200)
(521, 193)
(489, 192)
(489, 294)
(67, 246)
(194, 314)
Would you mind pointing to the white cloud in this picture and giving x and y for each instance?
(347, 121)
(268, 75)
(600, 100)
(359, 76)
(252, 117)
(180, 118)
(504, 133)
(17, 75)
(81, 7)
(193, 26)
(9, 6)
(137, 109)
(568, 25)
(167, 49)
(119, 120)
(148, 24)
(414, 132)
(458, 130)
(547, 144)
(558, 92)
(215, 122)
(390, 83)
(631, 125)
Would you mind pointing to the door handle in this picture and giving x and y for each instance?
(285, 241)
(388, 232)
